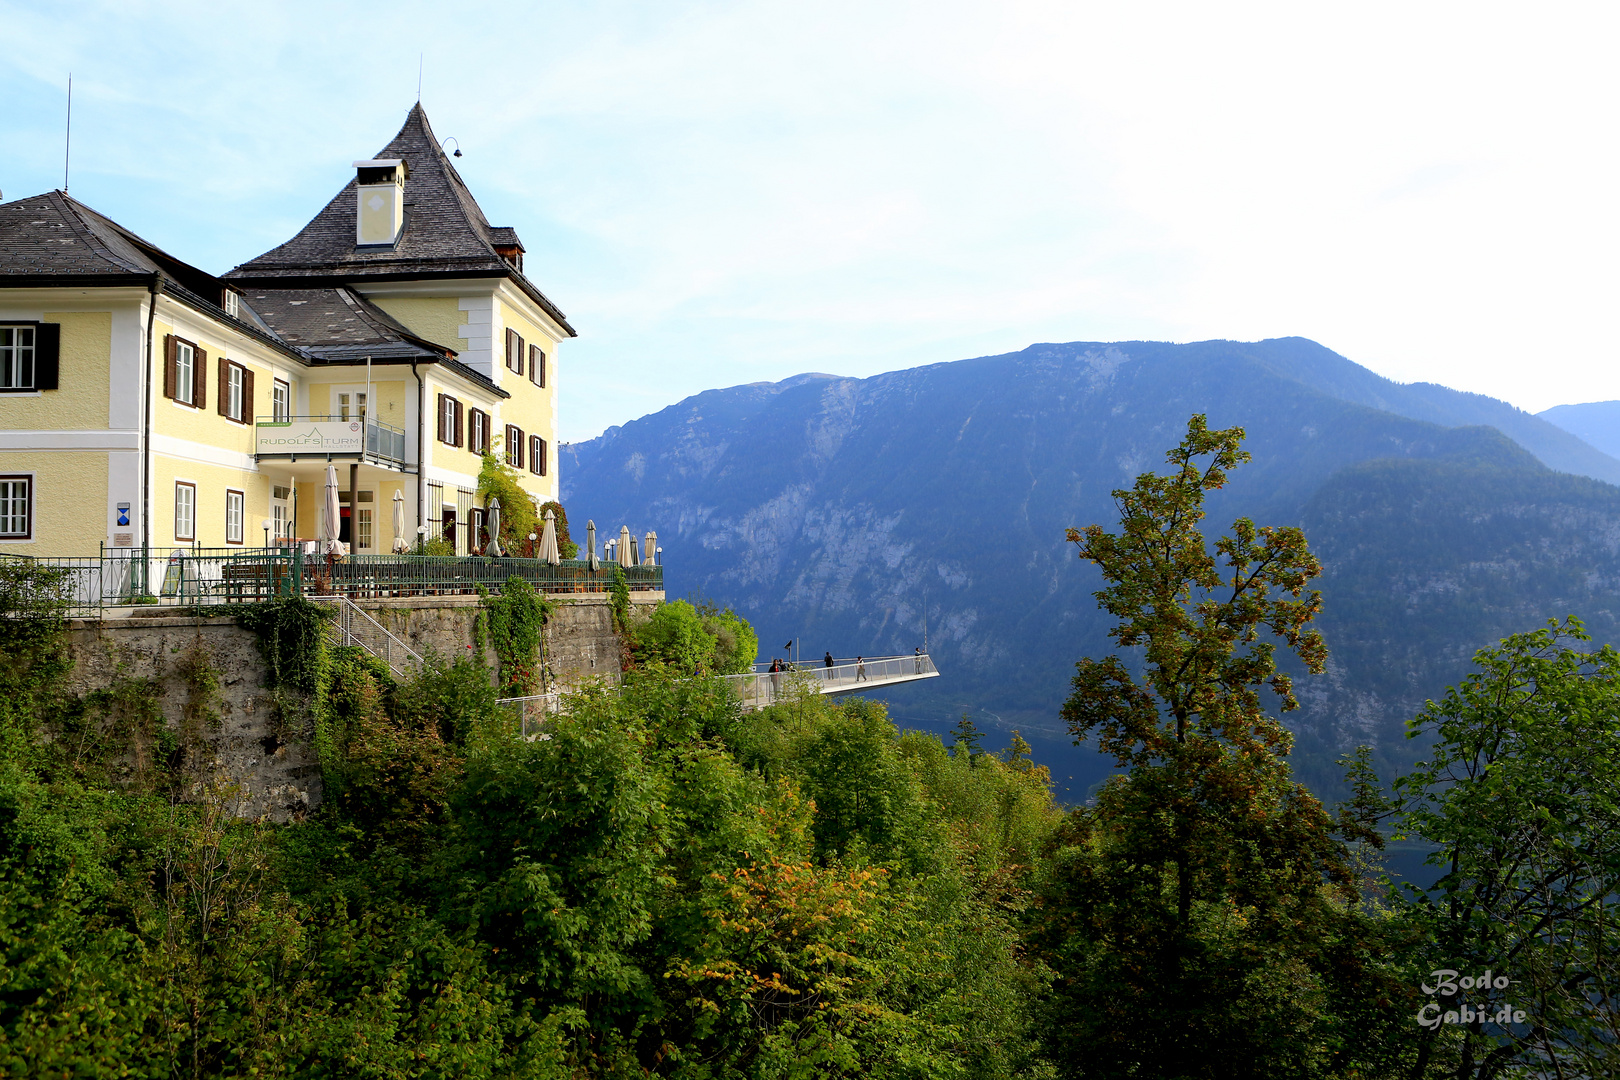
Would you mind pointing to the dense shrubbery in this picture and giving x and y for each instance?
(661, 882)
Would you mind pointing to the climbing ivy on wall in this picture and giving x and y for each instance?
(516, 621)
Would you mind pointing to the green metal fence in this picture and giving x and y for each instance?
(202, 577)
(366, 576)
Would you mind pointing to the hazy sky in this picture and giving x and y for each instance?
(719, 193)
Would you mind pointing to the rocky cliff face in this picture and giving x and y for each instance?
(856, 515)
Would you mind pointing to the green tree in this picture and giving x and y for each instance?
(1187, 914)
(1518, 792)
(518, 515)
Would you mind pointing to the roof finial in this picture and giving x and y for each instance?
(419, 58)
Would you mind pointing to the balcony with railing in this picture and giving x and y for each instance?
(329, 438)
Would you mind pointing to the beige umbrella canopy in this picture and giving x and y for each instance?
(649, 549)
(627, 547)
(493, 550)
(548, 541)
(400, 546)
(590, 543)
(330, 515)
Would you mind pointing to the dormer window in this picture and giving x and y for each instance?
(513, 256)
(380, 201)
(233, 303)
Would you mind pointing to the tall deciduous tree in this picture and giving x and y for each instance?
(1518, 794)
(1191, 913)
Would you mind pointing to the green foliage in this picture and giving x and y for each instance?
(517, 620)
(518, 515)
(696, 639)
(292, 638)
(436, 546)
(736, 646)
(1517, 794)
(452, 698)
(566, 548)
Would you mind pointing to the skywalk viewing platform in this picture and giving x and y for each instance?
(757, 689)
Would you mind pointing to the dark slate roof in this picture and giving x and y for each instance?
(55, 236)
(445, 233)
(53, 239)
(339, 326)
(504, 236)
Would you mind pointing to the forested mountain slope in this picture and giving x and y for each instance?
(830, 510)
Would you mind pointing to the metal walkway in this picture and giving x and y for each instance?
(760, 688)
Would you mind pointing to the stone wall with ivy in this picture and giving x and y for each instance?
(200, 691)
(198, 688)
(580, 639)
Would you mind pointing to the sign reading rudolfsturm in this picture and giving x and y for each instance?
(312, 437)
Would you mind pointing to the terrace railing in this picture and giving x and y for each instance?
(203, 577)
(380, 576)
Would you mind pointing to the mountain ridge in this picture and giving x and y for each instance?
(836, 511)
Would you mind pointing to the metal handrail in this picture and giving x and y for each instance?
(354, 627)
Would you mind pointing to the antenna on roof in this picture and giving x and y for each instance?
(419, 57)
(67, 141)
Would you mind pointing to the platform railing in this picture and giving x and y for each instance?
(757, 688)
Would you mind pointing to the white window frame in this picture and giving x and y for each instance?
(364, 534)
(190, 505)
(281, 401)
(12, 358)
(235, 515)
(8, 502)
(236, 376)
(185, 362)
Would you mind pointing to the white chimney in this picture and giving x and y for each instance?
(380, 201)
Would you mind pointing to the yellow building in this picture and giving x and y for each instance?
(145, 402)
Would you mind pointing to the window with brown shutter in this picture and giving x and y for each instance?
(459, 440)
(537, 455)
(224, 387)
(537, 365)
(247, 397)
(438, 408)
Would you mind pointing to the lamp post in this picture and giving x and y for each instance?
(531, 545)
(660, 557)
(421, 539)
(266, 532)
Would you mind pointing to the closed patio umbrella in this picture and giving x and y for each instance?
(590, 544)
(548, 541)
(494, 519)
(649, 548)
(627, 547)
(400, 546)
(330, 515)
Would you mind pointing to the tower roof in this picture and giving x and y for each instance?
(445, 233)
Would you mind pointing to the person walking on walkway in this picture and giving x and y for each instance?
(776, 677)
(828, 660)
(860, 668)
(919, 659)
